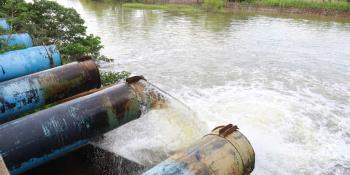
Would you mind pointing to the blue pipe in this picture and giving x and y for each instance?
(29, 92)
(23, 40)
(4, 25)
(22, 62)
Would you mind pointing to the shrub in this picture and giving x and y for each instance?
(108, 78)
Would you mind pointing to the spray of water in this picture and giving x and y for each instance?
(158, 133)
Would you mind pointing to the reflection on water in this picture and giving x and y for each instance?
(283, 81)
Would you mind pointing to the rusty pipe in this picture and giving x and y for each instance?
(224, 151)
(27, 93)
(37, 138)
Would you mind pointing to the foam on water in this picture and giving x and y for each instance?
(292, 132)
(157, 134)
(297, 120)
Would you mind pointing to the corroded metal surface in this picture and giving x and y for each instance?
(148, 95)
(22, 39)
(45, 135)
(32, 91)
(26, 61)
(225, 151)
(81, 95)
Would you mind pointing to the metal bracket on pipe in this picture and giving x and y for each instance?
(226, 130)
(3, 168)
(84, 58)
(134, 79)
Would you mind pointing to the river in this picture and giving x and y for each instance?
(285, 81)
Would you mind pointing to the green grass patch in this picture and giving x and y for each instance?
(304, 4)
(213, 5)
(167, 7)
(218, 5)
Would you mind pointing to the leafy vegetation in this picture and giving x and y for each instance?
(109, 78)
(213, 5)
(50, 23)
(4, 47)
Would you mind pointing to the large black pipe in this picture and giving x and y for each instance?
(32, 140)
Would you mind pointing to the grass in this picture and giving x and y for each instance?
(304, 4)
(213, 5)
(338, 5)
(167, 7)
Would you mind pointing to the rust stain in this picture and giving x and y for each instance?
(227, 130)
(83, 94)
(218, 153)
(135, 79)
(149, 96)
(73, 79)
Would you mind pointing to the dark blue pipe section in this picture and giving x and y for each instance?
(37, 138)
(4, 25)
(26, 61)
(23, 40)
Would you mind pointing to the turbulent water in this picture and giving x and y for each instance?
(284, 81)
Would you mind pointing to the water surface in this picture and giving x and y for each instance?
(284, 81)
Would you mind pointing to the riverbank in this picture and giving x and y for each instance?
(333, 9)
(328, 9)
(167, 7)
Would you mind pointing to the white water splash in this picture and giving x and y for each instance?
(156, 135)
(292, 132)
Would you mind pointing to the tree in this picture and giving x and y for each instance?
(49, 22)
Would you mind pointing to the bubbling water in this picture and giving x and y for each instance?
(157, 134)
(292, 132)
